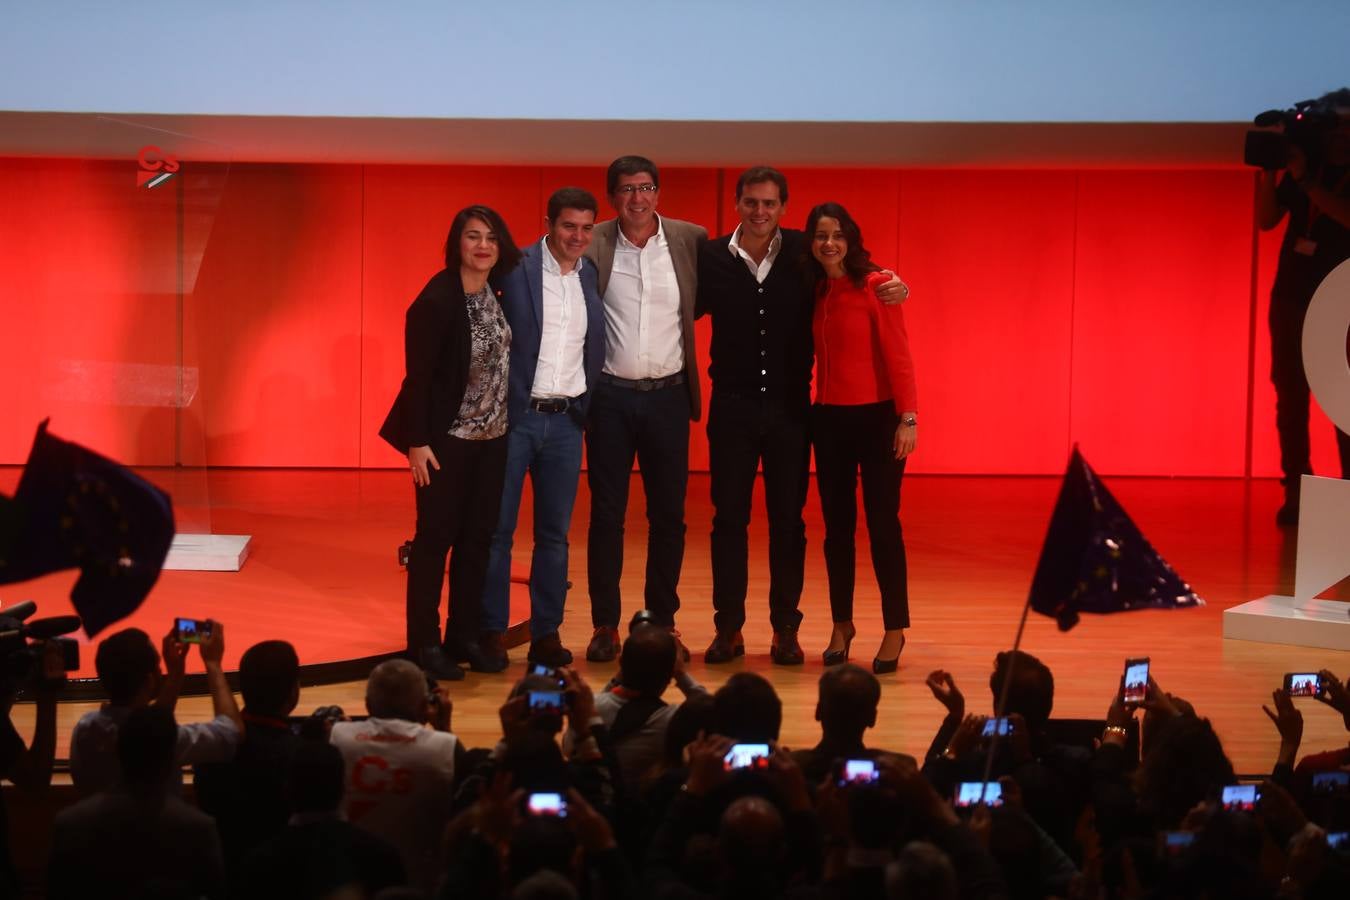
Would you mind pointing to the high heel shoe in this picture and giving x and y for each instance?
(885, 666)
(835, 657)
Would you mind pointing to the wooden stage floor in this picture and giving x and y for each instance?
(323, 573)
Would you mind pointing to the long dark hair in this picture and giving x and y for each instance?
(508, 254)
(857, 260)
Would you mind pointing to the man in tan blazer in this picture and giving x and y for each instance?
(646, 396)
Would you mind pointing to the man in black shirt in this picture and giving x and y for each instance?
(1315, 192)
(752, 284)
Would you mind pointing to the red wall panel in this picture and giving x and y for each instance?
(1161, 307)
(277, 318)
(88, 281)
(1110, 308)
(989, 258)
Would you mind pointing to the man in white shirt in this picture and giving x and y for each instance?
(646, 396)
(400, 772)
(557, 346)
(129, 669)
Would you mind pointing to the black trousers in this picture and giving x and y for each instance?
(1292, 396)
(850, 440)
(653, 427)
(457, 509)
(744, 432)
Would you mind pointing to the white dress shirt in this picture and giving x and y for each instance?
(758, 269)
(562, 334)
(642, 310)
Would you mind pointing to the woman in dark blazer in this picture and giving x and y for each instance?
(450, 420)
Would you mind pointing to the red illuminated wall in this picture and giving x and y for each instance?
(1108, 308)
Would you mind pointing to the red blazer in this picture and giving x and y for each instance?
(862, 349)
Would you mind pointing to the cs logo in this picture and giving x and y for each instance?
(157, 167)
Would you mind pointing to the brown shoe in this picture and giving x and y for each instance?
(604, 645)
(785, 650)
(493, 646)
(725, 647)
(549, 651)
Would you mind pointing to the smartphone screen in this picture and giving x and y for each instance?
(1173, 842)
(1303, 684)
(192, 631)
(1136, 680)
(1330, 782)
(1000, 725)
(973, 793)
(1240, 797)
(547, 804)
(545, 702)
(744, 756)
(858, 771)
(1338, 840)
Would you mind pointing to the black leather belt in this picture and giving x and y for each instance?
(643, 384)
(551, 404)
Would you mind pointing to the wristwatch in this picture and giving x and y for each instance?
(909, 420)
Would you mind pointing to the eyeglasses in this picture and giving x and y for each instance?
(646, 188)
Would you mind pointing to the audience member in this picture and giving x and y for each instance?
(318, 851)
(846, 706)
(246, 795)
(129, 669)
(137, 839)
(400, 772)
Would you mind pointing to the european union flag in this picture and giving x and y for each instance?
(75, 508)
(1095, 559)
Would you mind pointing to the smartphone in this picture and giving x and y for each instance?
(999, 725)
(545, 702)
(1136, 681)
(858, 771)
(1304, 684)
(747, 756)
(974, 793)
(1241, 797)
(1338, 840)
(547, 672)
(547, 804)
(192, 631)
(1330, 782)
(1173, 842)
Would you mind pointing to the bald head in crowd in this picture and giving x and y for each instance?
(397, 689)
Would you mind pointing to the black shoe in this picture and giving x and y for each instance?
(493, 646)
(725, 647)
(836, 657)
(549, 651)
(785, 649)
(473, 654)
(604, 645)
(439, 665)
(885, 666)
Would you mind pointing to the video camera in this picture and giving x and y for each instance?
(21, 642)
(1305, 125)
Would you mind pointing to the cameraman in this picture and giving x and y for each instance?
(28, 767)
(1315, 193)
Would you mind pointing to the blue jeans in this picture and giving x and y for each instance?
(548, 447)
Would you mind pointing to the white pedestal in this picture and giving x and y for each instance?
(208, 552)
(1283, 620)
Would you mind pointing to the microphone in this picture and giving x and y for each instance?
(51, 626)
(19, 611)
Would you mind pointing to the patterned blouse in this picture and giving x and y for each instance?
(482, 414)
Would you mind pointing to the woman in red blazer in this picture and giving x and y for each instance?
(864, 421)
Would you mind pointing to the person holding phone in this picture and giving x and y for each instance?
(450, 418)
(864, 422)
